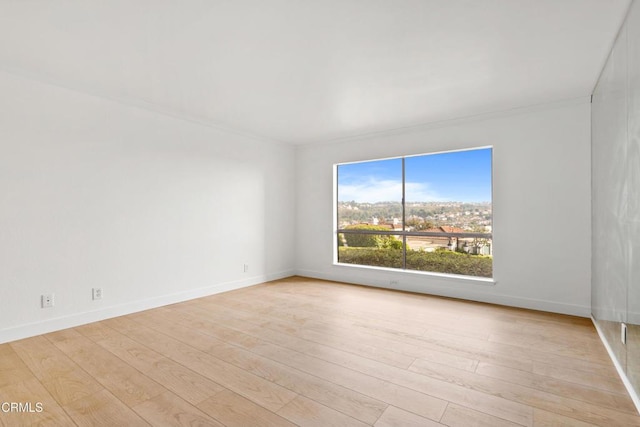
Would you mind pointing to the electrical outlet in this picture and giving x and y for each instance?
(394, 282)
(246, 268)
(623, 333)
(47, 300)
(97, 293)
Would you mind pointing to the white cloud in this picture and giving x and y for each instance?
(420, 192)
(373, 190)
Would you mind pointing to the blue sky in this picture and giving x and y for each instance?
(462, 176)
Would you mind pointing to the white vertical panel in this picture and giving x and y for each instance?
(610, 197)
(633, 155)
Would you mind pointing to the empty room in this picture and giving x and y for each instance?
(320, 213)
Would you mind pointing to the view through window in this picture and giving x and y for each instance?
(430, 212)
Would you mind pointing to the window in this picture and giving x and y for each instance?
(430, 212)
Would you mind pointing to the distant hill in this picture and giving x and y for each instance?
(465, 215)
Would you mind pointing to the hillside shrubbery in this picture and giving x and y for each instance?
(440, 261)
(371, 240)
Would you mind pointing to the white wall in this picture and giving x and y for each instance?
(156, 210)
(541, 206)
(152, 209)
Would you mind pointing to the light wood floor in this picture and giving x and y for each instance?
(314, 353)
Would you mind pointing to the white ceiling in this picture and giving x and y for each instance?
(303, 71)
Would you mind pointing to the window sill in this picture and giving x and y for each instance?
(486, 281)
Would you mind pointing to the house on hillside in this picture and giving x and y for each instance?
(464, 244)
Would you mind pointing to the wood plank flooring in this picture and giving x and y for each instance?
(306, 352)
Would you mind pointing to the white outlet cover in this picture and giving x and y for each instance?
(47, 300)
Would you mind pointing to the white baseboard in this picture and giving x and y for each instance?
(457, 292)
(633, 317)
(633, 393)
(70, 321)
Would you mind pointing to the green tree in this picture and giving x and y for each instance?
(381, 241)
(419, 224)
